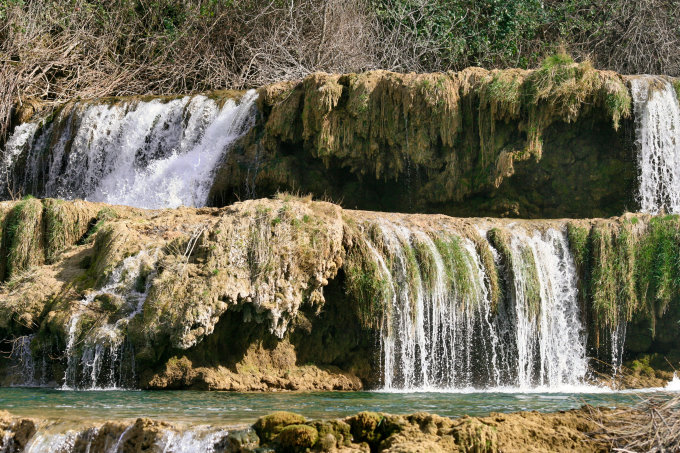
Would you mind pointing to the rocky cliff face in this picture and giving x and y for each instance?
(297, 294)
(553, 142)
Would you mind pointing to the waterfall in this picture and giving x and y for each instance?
(441, 329)
(62, 437)
(550, 336)
(657, 114)
(22, 356)
(148, 154)
(101, 358)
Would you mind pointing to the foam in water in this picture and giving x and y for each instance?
(442, 332)
(146, 154)
(657, 114)
(674, 384)
(62, 438)
(99, 362)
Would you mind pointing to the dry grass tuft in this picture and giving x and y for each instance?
(653, 426)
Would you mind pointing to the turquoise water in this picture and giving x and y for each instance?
(225, 408)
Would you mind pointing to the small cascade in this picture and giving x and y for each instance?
(674, 384)
(657, 114)
(442, 330)
(151, 154)
(549, 335)
(102, 358)
(437, 331)
(22, 356)
(62, 437)
(617, 343)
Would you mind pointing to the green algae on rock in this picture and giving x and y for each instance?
(468, 143)
(304, 293)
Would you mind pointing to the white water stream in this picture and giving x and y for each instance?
(446, 334)
(61, 438)
(100, 359)
(151, 154)
(657, 114)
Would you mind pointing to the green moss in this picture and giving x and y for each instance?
(103, 216)
(521, 270)
(657, 270)
(340, 431)
(365, 427)
(425, 263)
(410, 262)
(676, 85)
(55, 235)
(269, 426)
(529, 276)
(612, 286)
(457, 265)
(297, 438)
(579, 244)
(475, 436)
(491, 271)
(365, 284)
(22, 241)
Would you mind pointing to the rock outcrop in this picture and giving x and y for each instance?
(553, 142)
(290, 293)
(574, 430)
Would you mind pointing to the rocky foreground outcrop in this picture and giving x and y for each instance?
(575, 430)
(290, 293)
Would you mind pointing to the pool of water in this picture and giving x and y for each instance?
(227, 408)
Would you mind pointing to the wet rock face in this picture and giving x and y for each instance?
(473, 143)
(151, 297)
(113, 296)
(15, 432)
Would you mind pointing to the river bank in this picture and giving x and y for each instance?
(586, 429)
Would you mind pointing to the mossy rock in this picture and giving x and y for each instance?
(473, 436)
(337, 429)
(365, 427)
(294, 438)
(109, 302)
(269, 426)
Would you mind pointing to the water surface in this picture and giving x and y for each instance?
(228, 408)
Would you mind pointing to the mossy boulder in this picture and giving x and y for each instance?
(334, 432)
(372, 427)
(475, 436)
(297, 438)
(109, 302)
(269, 426)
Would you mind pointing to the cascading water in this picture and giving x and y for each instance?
(101, 358)
(441, 329)
(145, 154)
(550, 336)
(657, 114)
(61, 437)
(22, 356)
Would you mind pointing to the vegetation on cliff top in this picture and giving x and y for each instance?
(56, 51)
(458, 134)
